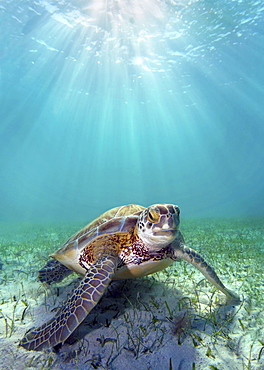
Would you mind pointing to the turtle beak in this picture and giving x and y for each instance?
(165, 232)
(167, 226)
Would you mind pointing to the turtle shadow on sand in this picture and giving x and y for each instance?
(128, 327)
(142, 308)
(121, 297)
(143, 322)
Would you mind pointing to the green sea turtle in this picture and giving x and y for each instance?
(124, 242)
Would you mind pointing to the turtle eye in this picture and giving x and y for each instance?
(153, 216)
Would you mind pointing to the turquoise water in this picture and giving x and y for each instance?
(104, 103)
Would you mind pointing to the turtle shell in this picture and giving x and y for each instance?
(116, 220)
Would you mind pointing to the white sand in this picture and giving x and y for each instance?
(130, 327)
(120, 331)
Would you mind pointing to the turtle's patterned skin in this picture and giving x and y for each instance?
(124, 242)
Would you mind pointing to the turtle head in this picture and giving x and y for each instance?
(158, 225)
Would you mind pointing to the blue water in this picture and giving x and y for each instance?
(104, 103)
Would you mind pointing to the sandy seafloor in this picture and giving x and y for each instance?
(173, 319)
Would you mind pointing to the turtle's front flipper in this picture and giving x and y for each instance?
(190, 255)
(53, 272)
(75, 309)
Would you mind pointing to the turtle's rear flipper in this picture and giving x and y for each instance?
(53, 272)
(75, 309)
